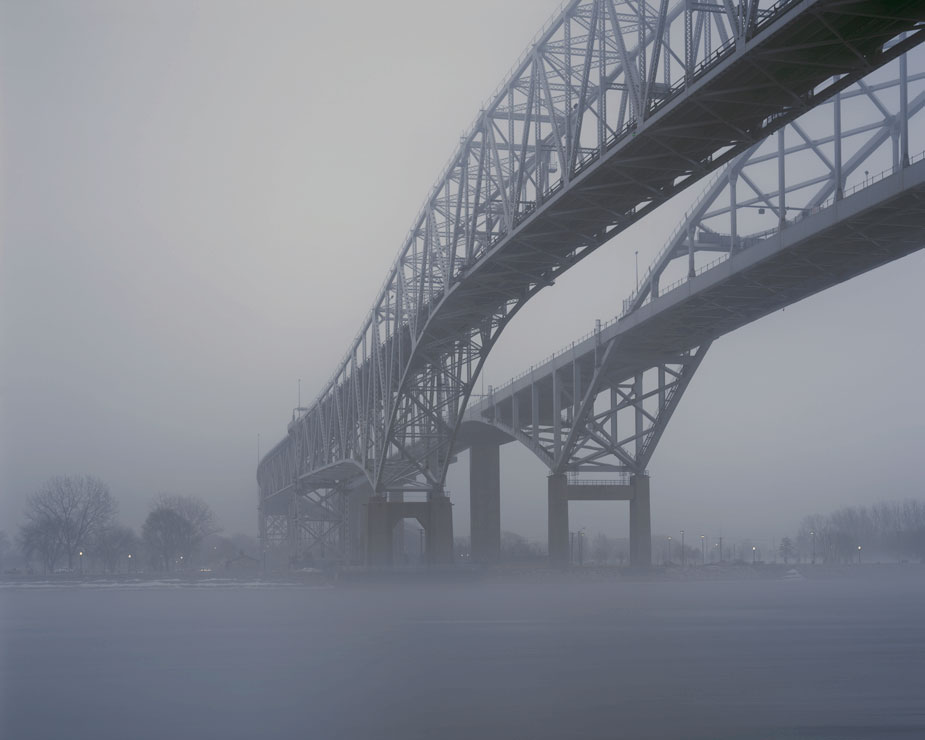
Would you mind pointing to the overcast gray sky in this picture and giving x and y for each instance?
(200, 201)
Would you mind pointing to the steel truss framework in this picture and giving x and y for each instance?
(614, 109)
(595, 413)
(312, 525)
(604, 409)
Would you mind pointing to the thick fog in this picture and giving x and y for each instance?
(201, 200)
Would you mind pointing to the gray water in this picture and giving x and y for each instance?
(747, 659)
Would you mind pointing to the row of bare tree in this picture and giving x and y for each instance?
(72, 520)
(890, 528)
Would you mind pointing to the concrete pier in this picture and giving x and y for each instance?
(557, 523)
(560, 492)
(485, 502)
(435, 515)
(640, 523)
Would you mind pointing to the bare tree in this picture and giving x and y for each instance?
(38, 538)
(167, 535)
(113, 544)
(64, 515)
(787, 550)
(5, 548)
(894, 527)
(196, 512)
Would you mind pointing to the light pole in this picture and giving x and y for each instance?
(683, 554)
(813, 535)
(859, 554)
(637, 269)
(81, 561)
(668, 551)
(720, 549)
(581, 557)
(130, 562)
(703, 549)
(754, 553)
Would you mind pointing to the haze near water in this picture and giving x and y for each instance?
(812, 659)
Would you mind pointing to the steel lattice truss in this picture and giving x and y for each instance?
(806, 166)
(614, 109)
(603, 407)
(596, 412)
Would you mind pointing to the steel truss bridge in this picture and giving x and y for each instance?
(616, 107)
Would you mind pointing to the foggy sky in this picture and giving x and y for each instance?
(201, 200)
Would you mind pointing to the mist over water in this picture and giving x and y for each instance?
(801, 657)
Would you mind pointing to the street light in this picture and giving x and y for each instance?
(754, 553)
(81, 561)
(668, 548)
(813, 535)
(683, 556)
(703, 549)
(130, 562)
(859, 554)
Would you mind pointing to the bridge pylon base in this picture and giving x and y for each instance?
(560, 492)
(435, 515)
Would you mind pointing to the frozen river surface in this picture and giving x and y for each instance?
(756, 660)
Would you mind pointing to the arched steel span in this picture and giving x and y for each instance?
(810, 207)
(615, 108)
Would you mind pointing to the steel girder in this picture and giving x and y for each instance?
(615, 108)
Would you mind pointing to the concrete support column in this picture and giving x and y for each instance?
(439, 530)
(398, 530)
(485, 502)
(640, 523)
(356, 525)
(557, 487)
(378, 532)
